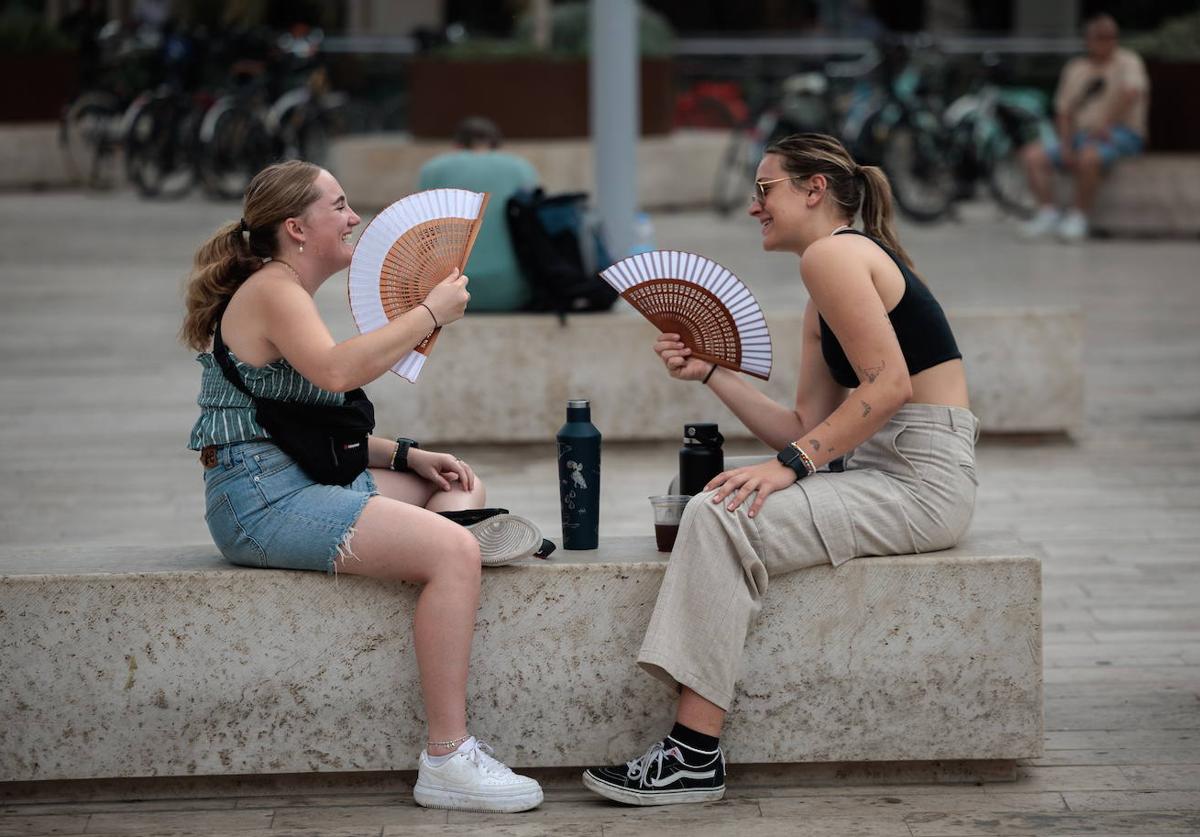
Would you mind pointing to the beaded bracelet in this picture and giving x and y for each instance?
(805, 458)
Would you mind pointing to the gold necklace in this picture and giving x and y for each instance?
(289, 267)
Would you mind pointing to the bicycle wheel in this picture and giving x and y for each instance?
(733, 183)
(1008, 185)
(88, 139)
(236, 146)
(321, 128)
(1006, 178)
(735, 177)
(158, 150)
(919, 160)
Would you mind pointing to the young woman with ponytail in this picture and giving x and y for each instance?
(255, 280)
(876, 455)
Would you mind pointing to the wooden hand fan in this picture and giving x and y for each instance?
(406, 250)
(713, 313)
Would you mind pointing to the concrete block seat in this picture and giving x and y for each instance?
(1155, 194)
(141, 662)
(507, 377)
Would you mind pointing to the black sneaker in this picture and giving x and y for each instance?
(669, 773)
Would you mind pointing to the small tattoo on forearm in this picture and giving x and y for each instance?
(866, 409)
(873, 372)
(816, 444)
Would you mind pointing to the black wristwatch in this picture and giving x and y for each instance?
(791, 457)
(400, 457)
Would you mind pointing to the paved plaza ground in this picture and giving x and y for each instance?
(97, 399)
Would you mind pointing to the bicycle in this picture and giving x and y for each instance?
(989, 125)
(794, 112)
(92, 126)
(162, 142)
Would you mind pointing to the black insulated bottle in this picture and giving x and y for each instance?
(701, 457)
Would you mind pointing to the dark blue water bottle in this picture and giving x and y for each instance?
(579, 477)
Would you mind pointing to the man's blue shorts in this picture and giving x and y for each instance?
(1121, 142)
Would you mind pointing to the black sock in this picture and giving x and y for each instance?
(695, 740)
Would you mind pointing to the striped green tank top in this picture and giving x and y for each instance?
(227, 415)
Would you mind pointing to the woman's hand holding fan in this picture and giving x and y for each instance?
(677, 357)
(448, 300)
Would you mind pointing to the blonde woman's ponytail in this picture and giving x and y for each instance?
(221, 265)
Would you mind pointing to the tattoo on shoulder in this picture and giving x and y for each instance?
(866, 408)
(816, 444)
(872, 372)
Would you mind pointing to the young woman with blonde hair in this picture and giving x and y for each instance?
(882, 393)
(251, 290)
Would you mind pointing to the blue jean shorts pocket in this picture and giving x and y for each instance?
(230, 537)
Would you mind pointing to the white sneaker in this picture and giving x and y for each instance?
(1048, 219)
(504, 538)
(471, 780)
(1074, 227)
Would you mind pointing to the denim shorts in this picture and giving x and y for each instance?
(263, 511)
(1121, 142)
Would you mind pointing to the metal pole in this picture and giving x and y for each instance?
(615, 118)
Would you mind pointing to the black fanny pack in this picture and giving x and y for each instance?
(329, 443)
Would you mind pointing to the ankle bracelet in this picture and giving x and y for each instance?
(451, 745)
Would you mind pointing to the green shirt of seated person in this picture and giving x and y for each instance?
(497, 282)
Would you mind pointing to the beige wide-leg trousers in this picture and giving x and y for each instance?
(908, 489)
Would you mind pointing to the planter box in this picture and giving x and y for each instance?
(37, 86)
(526, 98)
(1174, 125)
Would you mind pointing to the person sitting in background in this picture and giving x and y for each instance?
(1100, 116)
(478, 165)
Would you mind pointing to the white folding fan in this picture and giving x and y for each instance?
(713, 313)
(406, 250)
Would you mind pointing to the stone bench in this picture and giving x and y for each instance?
(1156, 194)
(1024, 366)
(141, 662)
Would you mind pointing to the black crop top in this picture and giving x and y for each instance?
(921, 327)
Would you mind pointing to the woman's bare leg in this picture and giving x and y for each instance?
(696, 713)
(400, 541)
(409, 488)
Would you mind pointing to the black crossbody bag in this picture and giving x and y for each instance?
(328, 442)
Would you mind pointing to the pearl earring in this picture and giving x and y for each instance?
(301, 248)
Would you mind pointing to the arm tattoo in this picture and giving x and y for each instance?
(872, 372)
(866, 409)
(816, 444)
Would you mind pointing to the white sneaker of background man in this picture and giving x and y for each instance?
(469, 779)
(1074, 227)
(1045, 222)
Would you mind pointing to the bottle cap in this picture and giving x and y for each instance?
(702, 433)
(577, 403)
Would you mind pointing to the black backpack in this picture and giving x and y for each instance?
(548, 235)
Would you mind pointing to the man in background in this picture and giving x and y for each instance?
(497, 283)
(1100, 116)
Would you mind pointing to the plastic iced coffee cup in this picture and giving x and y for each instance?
(668, 510)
